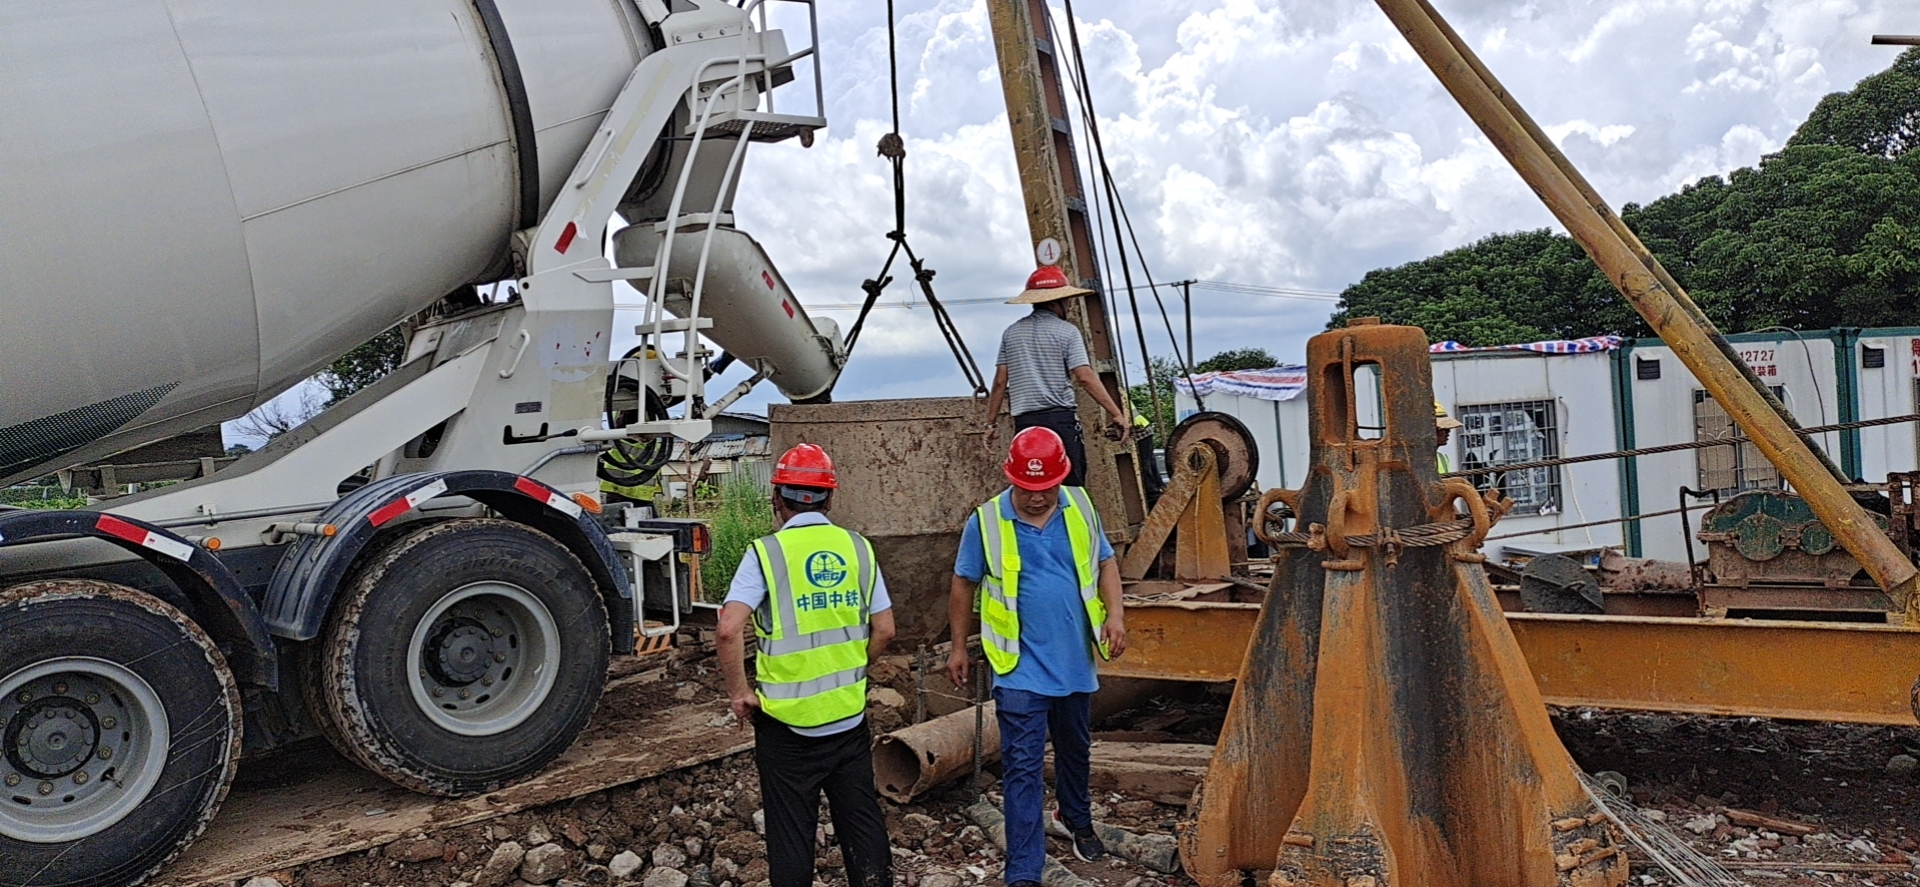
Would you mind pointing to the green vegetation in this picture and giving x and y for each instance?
(366, 364)
(1165, 371)
(741, 513)
(1823, 233)
(40, 496)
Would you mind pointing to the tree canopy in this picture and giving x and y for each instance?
(1826, 232)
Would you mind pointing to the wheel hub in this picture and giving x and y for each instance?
(52, 737)
(461, 651)
(484, 658)
(82, 741)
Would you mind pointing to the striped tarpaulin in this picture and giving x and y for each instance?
(1276, 383)
(1588, 345)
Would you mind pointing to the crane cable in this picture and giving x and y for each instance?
(894, 148)
(1117, 215)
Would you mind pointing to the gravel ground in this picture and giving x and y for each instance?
(1850, 789)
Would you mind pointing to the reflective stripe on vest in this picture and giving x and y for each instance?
(999, 600)
(812, 628)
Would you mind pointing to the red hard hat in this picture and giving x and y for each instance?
(805, 465)
(1047, 278)
(1037, 460)
(1047, 284)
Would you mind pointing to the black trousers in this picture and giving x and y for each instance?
(794, 770)
(1066, 424)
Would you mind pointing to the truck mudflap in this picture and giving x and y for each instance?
(310, 573)
(220, 606)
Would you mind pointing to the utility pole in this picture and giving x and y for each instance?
(1186, 302)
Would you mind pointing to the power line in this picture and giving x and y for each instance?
(1251, 289)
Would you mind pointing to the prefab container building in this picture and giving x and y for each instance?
(1548, 400)
(1660, 402)
(1517, 406)
(1886, 370)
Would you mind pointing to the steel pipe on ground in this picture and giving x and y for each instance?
(910, 761)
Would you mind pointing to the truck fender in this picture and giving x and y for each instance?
(227, 614)
(310, 573)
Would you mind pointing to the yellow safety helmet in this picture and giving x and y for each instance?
(1441, 419)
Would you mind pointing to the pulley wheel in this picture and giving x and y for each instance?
(1233, 449)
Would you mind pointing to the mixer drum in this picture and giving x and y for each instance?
(206, 201)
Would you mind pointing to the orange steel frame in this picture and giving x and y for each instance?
(1822, 671)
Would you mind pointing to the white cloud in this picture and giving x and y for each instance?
(1282, 144)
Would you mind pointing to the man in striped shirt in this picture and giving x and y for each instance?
(1041, 356)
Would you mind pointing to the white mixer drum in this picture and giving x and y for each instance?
(203, 202)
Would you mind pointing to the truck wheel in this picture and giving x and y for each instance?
(463, 657)
(121, 731)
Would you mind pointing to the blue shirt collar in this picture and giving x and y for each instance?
(1007, 510)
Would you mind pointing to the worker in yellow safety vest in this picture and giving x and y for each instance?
(1036, 562)
(820, 615)
(1443, 426)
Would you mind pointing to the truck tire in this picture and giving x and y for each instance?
(461, 658)
(121, 729)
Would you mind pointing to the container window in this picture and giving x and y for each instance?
(1644, 369)
(1496, 434)
(1729, 469)
(1873, 358)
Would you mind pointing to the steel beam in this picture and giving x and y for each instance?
(1818, 671)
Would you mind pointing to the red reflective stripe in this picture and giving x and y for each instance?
(789, 307)
(390, 511)
(532, 488)
(768, 278)
(116, 527)
(566, 237)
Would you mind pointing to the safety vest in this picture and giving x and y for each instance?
(1446, 464)
(623, 474)
(812, 627)
(999, 600)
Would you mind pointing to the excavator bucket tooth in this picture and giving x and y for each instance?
(1385, 729)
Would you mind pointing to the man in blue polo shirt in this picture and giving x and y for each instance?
(1048, 588)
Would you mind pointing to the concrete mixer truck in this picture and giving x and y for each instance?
(202, 202)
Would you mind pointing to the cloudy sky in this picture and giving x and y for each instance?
(1295, 145)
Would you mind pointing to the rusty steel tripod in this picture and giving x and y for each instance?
(1385, 729)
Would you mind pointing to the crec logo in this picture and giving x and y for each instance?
(1036, 469)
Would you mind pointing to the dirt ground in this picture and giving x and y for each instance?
(1849, 788)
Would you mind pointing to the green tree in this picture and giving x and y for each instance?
(1517, 287)
(1879, 116)
(1238, 359)
(1824, 233)
(366, 364)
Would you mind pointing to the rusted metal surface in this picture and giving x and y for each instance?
(914, 759)
(1189, 510)
(1385, 728)
(1185, 641)
(1826, 671)
(1233, 448)
(1619, 573)
(910, 473)
(1056, 201)
(1646, 285)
